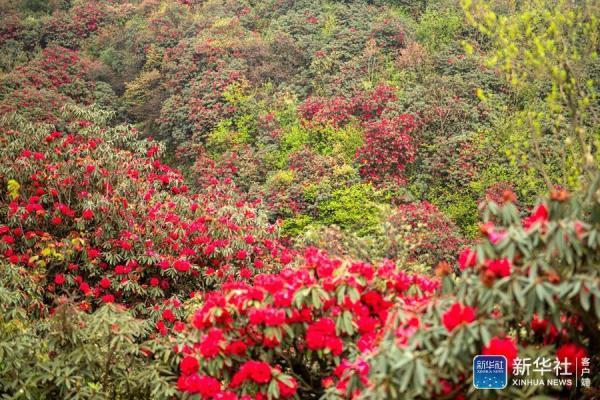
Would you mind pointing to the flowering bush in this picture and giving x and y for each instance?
(387, 149)
(84, 18)
(529, 289)
(430, 236)
(99, 218)
(74, 353)
(38, 89)
(290, 334)
(387, 142)
(363, 105)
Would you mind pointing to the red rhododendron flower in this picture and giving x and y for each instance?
(241, 254)
(506, 347)
(539, 216)
(335, 345)
(179, 326)
(161, 328)
(238, 347)
(467, 258)
(321, 335)
(457, 315)
(573, 355)
(209, 387)
(85, 288)
(87, 214)
(544, 327)
(182, 265)
(189, 365)
(105, 283)
(108, 298)
(168, 315)
(501, 268)
(59, 279)
(245, 273)
(260, 372)
(211, 343)
(8, 239)
(366, 324)
(206, 386)
(289, 388)
(257, 371)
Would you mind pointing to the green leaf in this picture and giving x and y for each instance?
(584, 298)
(516, 286)
(406, 377)
(485, 335)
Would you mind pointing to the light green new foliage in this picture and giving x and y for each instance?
(280, 179)
(332, 141)
(296, 226)
(352, 208)
(241, 128)
(293, 139)
(459, 206)
(326, 140)
(437, 29)
(227, 133)
(554, 43)
(508, 141)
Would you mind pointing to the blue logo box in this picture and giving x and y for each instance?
(490, 372)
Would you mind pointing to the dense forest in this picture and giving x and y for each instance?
(298, 199)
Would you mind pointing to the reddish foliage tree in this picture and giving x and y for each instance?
(387, 149)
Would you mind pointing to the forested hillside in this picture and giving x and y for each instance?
(218, 199)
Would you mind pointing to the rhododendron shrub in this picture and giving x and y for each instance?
(339, 110)
(388, 148)
(293, 333)
(196, 90)
(387, 145)
(72, 353)
(83, 19)
(39, 89)
(94, 212)
(430, 236)
(528, 289)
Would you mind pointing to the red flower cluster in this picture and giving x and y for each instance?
(544, 328)
(155, 241)
(539, 217)
(387, 149)
(573, 355)
(256, 371)
(506, 347)
(204, 385)
(467, 258)
(189, 365)
(458, 315)
(388, 145)
(338, 111)
(321, 335)
(500, 268)
(319, 308)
